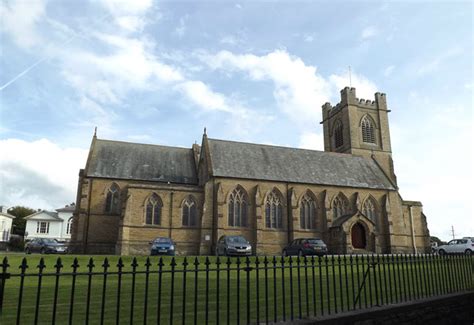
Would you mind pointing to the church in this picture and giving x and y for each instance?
(130, 193)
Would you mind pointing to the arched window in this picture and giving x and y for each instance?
(153, 210)
(189, 212)
(112, 203)
(307, 212)
(238, 208)
(367, 130)
(369, 209)
(69, 226)
(338, 137)
(274, 211)
(339, 206)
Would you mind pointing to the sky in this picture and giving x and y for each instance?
(160, 71)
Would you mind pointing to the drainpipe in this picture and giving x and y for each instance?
(412, 230)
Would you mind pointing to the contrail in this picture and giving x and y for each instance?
(21, 74)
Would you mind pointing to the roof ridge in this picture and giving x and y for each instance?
(143, 144)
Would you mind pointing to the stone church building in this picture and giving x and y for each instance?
(130, 193)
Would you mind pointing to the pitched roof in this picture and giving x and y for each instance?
(50, 214)
(7, 215)
(124, 160)
(264, 162)
(67, 208)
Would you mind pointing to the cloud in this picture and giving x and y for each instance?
(20, 20)
(435, 63)
(39, 174)
(387, 72)
(298, 91)
(199, 93)
(308, 38)
(311, 140)
(181, 29)
(369, 32)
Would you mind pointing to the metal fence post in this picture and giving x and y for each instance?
(3, 277)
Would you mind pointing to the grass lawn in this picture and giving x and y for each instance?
(328, 287)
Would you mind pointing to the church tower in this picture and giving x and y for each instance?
(359, 127)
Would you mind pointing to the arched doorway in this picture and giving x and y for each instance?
(358, 236)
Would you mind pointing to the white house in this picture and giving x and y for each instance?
(47, 224)
(6, 221)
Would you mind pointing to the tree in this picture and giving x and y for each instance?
(19, 223)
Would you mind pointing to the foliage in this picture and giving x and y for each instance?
(16, 243)
(19, 223)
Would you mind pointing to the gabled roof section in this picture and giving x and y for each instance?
(44, 215)
(125, 160)
(7, 215)
(264, 162)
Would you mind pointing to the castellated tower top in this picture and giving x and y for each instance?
(348, 97)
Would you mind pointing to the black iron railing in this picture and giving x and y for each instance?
(123, 290)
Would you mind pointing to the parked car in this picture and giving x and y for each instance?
(163, 246)
(45, 246)
(305, 246)
(233, 245)
(458, 246)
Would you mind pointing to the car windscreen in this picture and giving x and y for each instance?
(50, 241)
(162, 241)
(316, 241)
(236, 240)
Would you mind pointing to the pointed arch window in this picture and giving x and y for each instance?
(367, 126)
(274, 211)
(339, 206)
(338, 134)
(369, 209)
(189, 212)
(153, 210)
(238, 208)
(112, 203)
(307, 212)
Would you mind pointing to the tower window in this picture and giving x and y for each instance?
(367, 125)
(338, 137)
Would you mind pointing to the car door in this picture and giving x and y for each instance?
(295, 247)
(461, 246)
(34, 245)
(451, 246)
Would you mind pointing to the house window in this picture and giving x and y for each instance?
(42, 227)
(112, 203)
(338, 137)
(367, 125)
(274, 211)
(153, 210)
(69, 226)
(339, 206)
(369, 209)
(238, 208)
(307, 213)
(189, 212)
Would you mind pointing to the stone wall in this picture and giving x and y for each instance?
(449, 309)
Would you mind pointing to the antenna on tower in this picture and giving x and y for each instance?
(350, 77)
(452, 231)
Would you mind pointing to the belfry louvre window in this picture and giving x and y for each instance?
(238, 208)
(339, 206)
(189, 212)
(307, 213)
(369, 209)
(274, 211)
(153, 210)
(367, 125)
(338, 136)
(112, 203)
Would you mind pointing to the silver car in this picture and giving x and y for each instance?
(233, 246)
(458, 246)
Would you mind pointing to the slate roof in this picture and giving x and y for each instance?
(124, 160)
(264, 162)
(53, 215)
(68, 208)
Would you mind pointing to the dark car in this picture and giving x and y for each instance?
(305, 246)
(233, 245)
(45, 246)
(163, 246)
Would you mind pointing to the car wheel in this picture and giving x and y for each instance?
(442, 252)
(468, 252)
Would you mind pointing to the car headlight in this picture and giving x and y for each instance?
(248, 248)
(172, 247)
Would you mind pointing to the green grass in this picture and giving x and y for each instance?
(334, 284)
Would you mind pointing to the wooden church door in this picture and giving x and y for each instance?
(358, 236)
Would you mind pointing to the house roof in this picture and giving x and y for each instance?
(49, 215)
(7, 215)
(124, 160)
(264, 162)
(68, 208)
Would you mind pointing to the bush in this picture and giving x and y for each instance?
(16, 243)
